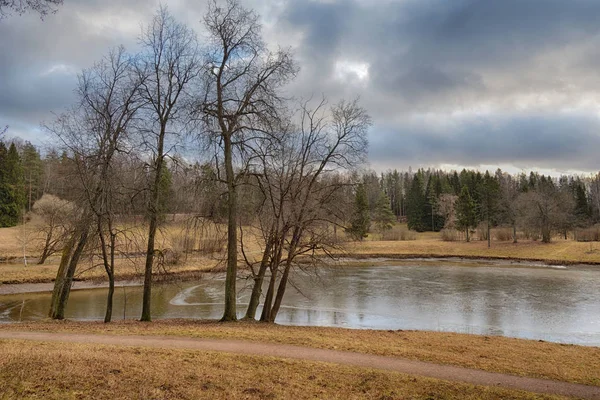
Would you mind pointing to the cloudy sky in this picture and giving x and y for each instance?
(476, 83)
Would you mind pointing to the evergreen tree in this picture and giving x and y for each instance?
(383, 217)
(489, 194)
(466, 215)
(10, 198)
(360, 222)
(33, 174)
(582, 208)
(416, 205)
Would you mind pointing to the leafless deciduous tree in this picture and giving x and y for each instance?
(301, 187)
(167, 68)
(241, 94)
(55, 223)
(544, 208)
(109, 103)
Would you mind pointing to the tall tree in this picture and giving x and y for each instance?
(360, 221)
(382, 216)
(416, 204)
(167, 68)
(12, 196)
(466, 211)
(242, 82)
(489, 194)
(97, 134)
(300, 183)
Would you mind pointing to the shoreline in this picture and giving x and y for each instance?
(350, 259)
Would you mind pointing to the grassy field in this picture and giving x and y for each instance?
(67, 371)
(173, 241)
(538, 359)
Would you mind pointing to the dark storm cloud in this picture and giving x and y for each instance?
(545, 140)
(524, 60)
(434, 66)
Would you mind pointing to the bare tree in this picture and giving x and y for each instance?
(42, 7)
(299, 179)
(108, 104)
(545, 208)
(167, 68)
(241, 93)
(55, 225)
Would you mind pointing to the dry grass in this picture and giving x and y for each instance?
(568, 363)
(202, 254)
(93, 271)
(67, 371)
(561, 251)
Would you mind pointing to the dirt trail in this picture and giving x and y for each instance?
(420, 368)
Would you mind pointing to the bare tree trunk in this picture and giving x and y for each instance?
(154, 211)
(489, 238)
(258, 282)
(266, 312)
(61, 275)
(280, 292)
(514, 232)
(59, 304)
(286, 273)
(230, 313)
(146, 306)
(468, 239)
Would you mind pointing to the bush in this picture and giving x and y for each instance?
(399, 233)
(504, 234)
(591, 234)
(450, 235)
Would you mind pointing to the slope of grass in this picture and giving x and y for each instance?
(538, 359)
(64, 371)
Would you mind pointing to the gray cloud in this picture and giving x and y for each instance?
(548, 141)
(530, 67)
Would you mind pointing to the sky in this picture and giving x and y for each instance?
(463, 83)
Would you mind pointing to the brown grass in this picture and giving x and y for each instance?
(558, 251)
(538, 359)
(67, 371)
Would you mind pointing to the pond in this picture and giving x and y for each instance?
(555, 304)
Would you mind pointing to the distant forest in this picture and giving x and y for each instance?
(539, 206)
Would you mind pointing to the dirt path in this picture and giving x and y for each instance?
(420, 368)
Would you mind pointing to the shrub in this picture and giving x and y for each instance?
(450, 235)
(504, 234)
(591, 234)
(399, 233)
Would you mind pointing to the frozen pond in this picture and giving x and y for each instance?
(554, 304)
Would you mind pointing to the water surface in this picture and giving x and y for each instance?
(554, 304)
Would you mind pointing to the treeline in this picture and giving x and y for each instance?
(538, 205)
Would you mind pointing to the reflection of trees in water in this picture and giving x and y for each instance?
(453, 298)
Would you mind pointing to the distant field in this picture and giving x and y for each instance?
(186, 256)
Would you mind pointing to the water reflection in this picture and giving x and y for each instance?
(536, 303)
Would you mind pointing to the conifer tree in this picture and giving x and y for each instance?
(466, 216)
(416, 204)
(361, 221)
(11, 186)
(383, 217)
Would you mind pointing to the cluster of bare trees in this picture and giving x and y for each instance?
(135, 111)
